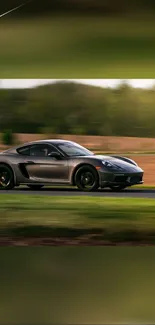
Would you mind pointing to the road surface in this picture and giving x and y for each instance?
(137, 193)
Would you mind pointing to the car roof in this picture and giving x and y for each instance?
(48, 141)
(45, 141)
(26, 144)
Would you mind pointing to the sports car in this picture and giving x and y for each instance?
(50, 162)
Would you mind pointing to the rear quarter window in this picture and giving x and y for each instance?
(25, 151)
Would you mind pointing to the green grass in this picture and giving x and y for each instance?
(101, 218)
(78, 47)
(77, 285)
(144, 187)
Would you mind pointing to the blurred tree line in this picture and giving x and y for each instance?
(98, 6)
(71, 108)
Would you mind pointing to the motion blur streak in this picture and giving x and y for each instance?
(13, 9)
(69, 43)
(77, 285)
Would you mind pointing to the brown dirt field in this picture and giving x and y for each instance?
(111, 144)
(118, 144)
(147, 163)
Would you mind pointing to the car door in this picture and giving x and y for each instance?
(42, 167)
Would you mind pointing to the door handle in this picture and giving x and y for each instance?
(29, 162)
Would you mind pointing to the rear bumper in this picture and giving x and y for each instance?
(126, 179)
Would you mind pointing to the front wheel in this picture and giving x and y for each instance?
(117, 188)
(6, 178)
(86, 179)
(35, 187)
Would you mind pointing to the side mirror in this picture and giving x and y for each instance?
(56, 155)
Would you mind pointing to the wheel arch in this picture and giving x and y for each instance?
(79, 166)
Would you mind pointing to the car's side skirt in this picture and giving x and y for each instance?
(45, 183)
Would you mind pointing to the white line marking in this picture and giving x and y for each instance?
(11, 10)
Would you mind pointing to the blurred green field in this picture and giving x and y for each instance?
(78, 47)
(77, 285)
(108, 219)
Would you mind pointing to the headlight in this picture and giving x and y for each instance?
(107, 164)
(110, 165)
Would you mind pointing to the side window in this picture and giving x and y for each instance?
(25, 151)
(41, 150)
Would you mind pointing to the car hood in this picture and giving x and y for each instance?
(125, 166)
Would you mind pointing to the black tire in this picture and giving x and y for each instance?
(86, 179)
(35, 187)
(117, 188)
(6, 178)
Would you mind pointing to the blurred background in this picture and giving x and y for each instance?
(78, 39)
(77, 285)
(89, 112)
(68, 39)
(92, 107)
(33, 7)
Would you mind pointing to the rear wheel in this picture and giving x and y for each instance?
(35, 187)
(6, 178)
(117, 188)
(86, 179)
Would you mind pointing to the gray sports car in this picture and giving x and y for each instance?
(48, 162)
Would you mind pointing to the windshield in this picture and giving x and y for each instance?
(71, 150)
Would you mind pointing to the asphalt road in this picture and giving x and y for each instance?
(137, 193)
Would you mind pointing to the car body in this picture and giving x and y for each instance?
(48, 162)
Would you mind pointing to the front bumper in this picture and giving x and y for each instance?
(126, 179)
